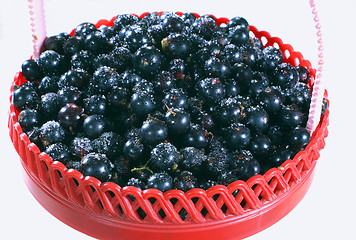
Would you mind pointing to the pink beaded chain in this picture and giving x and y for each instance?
(38, 28)
(317, 95)
(38, 25)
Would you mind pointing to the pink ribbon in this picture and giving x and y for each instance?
(38, 25)
(318, 91)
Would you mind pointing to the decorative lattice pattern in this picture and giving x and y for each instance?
(109, 200)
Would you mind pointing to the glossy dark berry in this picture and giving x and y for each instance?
(144, 86)
(164, 157)
(84, 29)
(73, 77)
(192, 159)
(56, 42)
(260, 145)
(134, 149)
(214, 67)
(285, 75)
(124, 20)
(275, 134)
(290, 118)
(178, 121)
(257, 119)
(172, 23)
(96, 43)
(185, 181)
(94, 126)
(238, 35)
(142, 103)
(279, 156)
(161, 181)
(96, 104)
(228, 111)
(128, 79)
(238, 22)
(136, 37)
(271, 100)
(154, 131)
(49, 104)
(69, 95)
(188, 18)
(206, 184)
(83, 60)
(300, 95)
(175, 98)
(96, 165)
(196, 137)
(243, 74)
(134, 182)
(105, 78)
(25, 97)
(80, 146)
(73, 45)
(232, 88)
(31, 71)
(108, 143)
(151, 18)
(48, 84)
(215, 165)
(245, 165)
(52, 132)
(211, 89)
(204, 26)
(176, 46)
(28, 119)
(237, 136)
(51, 63)
(299, 137)
(73, 164)
(120, 172)
(233, 54)
(304, 74)
(59, 152)
(148, 61)
(271, 58)
(117, 97)
(70, 114)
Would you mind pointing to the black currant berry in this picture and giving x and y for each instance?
(59, 152)
(154, 131)
(237, 136)
(69, 115)
(96, 165)
(142, 103)
(148, 61)
(31, 71)
(164, 157)
(51, 63)
(52, 132)
(161, 181)
(28, 119)
(94, 126)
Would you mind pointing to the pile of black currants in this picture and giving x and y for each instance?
(166, 102)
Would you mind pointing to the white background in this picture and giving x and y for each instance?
(327, 211)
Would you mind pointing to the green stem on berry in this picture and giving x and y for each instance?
(144, 167)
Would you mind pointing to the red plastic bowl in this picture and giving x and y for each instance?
(108, 211)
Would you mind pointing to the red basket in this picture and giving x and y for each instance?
(108, 211)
